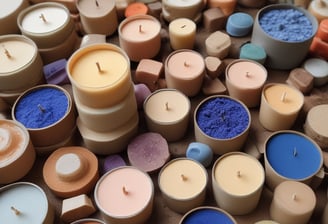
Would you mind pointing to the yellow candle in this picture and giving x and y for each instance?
(182, 32)
(100, 75)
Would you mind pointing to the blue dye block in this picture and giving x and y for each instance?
(253, 52)
(239, 24)
(55, 72)
(200, 152)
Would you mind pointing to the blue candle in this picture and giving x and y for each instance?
(200, 152)
(239, 24)
(293, 155)
(207, 215)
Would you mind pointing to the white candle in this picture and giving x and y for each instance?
(318, 68)
(173, 9)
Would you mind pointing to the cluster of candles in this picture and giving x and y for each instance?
(104, 102)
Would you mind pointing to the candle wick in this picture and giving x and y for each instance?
(183, 26)
(247, 74)
(140, 28)
(283, 97)
(43, 18)
(238, 173)
(294, 197)
(183, 177)
(7, 53)
(321, 3)
(186, 64)
(41, 108)
(125, 191)
(98, 67)
(167, 106)
(97, 4)
(295, 152)
(17, 212)
(223, 116)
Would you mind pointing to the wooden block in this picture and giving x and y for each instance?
(214, 19)
(218, 44)
(214, 66)
(213, 86)
(148, 72)
(300, 79)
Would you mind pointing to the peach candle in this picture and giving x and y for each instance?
(98, 16)
(227, 6)
(182, 33)
(183, 182)
(139, 36)
(17, 154)
(173, 9)
(238, 180)
(125, 195)
(100, 75)
(280, 106)
(167, 112)
(245, 80)
(184, 71)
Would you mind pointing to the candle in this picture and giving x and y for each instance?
(184, 71)
(207, 214)
(24, 202)
(17, 154)
(98, 16)
(136, 8)
(125, 195)
(71, 171)
(182, 33)
(100, 75)
(318, 68)
(239, 24)
(245, 80)
(291, 155)
(88, 221)
(222, 123)
(148, 151)
(139, 36)
(167, 112)
(173, 9)
(200, 152)
(227, 6)
(8, 16)
(183, 182)
(293, 202)
(253, 52)
(266, 222)
(319, 9)
(238, 180)
(47, 112)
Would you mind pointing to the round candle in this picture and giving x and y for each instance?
(184, 71)
(293, 202)
(319, 9)
(280, 106)
(139, 36)
(183, 182)
(182, 33)
(24, 202)
(125, 195)
(318, 68)
(245, 80)
(100, 75)
(136, 8)
(239, 24)
(98, 17)
(88, 221)
(290, 155)
(238, 180)
(173, 9)
(17, 154)
(167, 112)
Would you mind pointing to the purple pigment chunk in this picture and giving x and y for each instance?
(289, 25)
(112, 162)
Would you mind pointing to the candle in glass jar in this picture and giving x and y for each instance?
(182, 33)
(173, 9)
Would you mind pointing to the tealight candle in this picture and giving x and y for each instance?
(97, 72)
(237, 180)
(293, 202)
(319, 9)
(17, 154)
(173, 9)
(222, 123)
(318, 68)
(98, 17)
(25, 202)
(184, 71)
(183, 182)
(8, 16)
(291, 155)
(139, 36)
(266, 222)
(245, 80)
(167, 112)
(239, 24)
(125, 195)
(182, 33)
(280, 106)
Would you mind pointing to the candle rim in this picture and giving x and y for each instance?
(111, 6)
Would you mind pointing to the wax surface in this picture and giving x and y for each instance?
(91, 9)
(140, 29)
(280, 152)
(182, 3)
(6, 8)
(207, 216)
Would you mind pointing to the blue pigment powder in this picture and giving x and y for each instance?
(222, 118)
(289, 25)
(41, 107)
(207, 216)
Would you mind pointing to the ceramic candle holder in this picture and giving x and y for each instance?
(278, 50)
(181, 9)
(221, 145)
(88, 221)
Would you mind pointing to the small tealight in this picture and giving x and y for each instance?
(200, 152)
(239, 24)
(319, 70)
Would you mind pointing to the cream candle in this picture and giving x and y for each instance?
(182, 33)
(173, 9)
(167, 112)
(319, 9)
(98, 17)
(245, 80)
(184, 71)
(237, 180)
(100, 75)
(293, 202)
(318, 68)
(139, 36)
(8, 16)
(25, 202)
(125, 195)
(280, 106)
(183, 182)
(17, 154)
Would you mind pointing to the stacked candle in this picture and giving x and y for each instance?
(104, 96)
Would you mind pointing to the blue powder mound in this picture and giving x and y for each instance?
(289, 25)
(222, 118)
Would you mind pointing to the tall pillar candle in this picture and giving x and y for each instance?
(280, 106)
(98, 17)
(182, 33)
(140, 37)
(173, 9)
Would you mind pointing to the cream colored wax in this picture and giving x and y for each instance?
(182, 33)
(173, 9)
